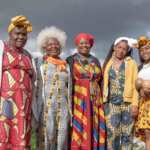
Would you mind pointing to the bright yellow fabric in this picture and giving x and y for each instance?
(130, 93)
(22, 21)
(143, 40)
(142, 121)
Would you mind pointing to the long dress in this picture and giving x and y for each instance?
(142, 121)
(52, 132)
(88, 131)
(15, 100)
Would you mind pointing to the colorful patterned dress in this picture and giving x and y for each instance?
(52, 133)
(15, 101)
(88, 131)
(119, 123)
(142, 121)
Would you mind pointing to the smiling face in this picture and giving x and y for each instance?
(145, 53)
(52, 47)
(83, 46)
(121, 49)
(18, 37)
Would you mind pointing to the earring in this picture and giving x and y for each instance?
(113, 55)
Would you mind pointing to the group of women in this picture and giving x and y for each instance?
(76, 104)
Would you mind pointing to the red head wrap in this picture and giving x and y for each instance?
(84, 35)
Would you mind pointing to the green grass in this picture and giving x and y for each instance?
(33, 145)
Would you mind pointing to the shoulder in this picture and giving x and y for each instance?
(26, 53)
(96, 60)
(70, 58)
(1, 44)
(140, 67)
(39, 61)
(131, 61)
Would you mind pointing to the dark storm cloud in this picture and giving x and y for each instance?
(106, 20)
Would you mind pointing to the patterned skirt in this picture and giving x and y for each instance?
(143, 119)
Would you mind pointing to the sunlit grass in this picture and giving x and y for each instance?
(33, 145)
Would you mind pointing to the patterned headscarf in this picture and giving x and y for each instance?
(142, 41)
(22, 21)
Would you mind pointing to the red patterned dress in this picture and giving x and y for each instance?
(15, 100)
(88, 131)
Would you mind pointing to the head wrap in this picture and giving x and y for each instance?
(84, 35)
(142, 41)
(22, 21)
(131, 42)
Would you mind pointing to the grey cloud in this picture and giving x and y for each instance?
(106, 20)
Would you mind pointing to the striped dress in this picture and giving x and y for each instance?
(88, 131)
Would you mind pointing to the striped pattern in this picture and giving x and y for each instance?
(88, 131)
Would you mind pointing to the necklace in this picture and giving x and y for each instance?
(117, 67)
(15, 49)
(89, 73)
(146, 66)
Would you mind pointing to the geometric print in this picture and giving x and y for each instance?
(88, 130)
(15, 100)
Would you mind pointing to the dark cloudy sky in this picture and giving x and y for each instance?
(106, 20)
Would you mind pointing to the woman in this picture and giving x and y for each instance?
(53, 74)
(142, 123)
(88, 131)
(120, 97)
(16, 78)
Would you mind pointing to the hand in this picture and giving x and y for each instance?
(146, 91)
(134, 111)
(142, 93)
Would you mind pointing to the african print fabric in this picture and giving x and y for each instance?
(52, 133)
(116, 84)
(88, 131)
(142, 121)
(120, 126)
(119, 123)
(15, 101)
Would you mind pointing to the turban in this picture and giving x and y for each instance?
(131, 42)
(84, 35)
(22, 21)
(142, 41)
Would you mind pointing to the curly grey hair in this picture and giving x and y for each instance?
(51, 32)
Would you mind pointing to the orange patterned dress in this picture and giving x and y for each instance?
(15, 100)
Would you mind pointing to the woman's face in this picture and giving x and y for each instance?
(121, 49)
(52, 47)
(145, 53)
(18, 37)
(83, 46)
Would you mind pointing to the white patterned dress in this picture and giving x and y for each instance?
(54, 117)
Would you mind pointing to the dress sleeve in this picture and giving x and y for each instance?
(70, 93)
(135, 92)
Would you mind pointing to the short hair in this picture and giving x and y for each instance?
(51, 32)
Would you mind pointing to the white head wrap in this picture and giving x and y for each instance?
(131, 42)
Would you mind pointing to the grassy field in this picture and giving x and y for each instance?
(33, 145)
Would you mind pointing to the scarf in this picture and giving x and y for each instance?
(61, 63)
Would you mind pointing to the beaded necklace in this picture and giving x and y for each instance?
(146, 66)
(89, 73)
